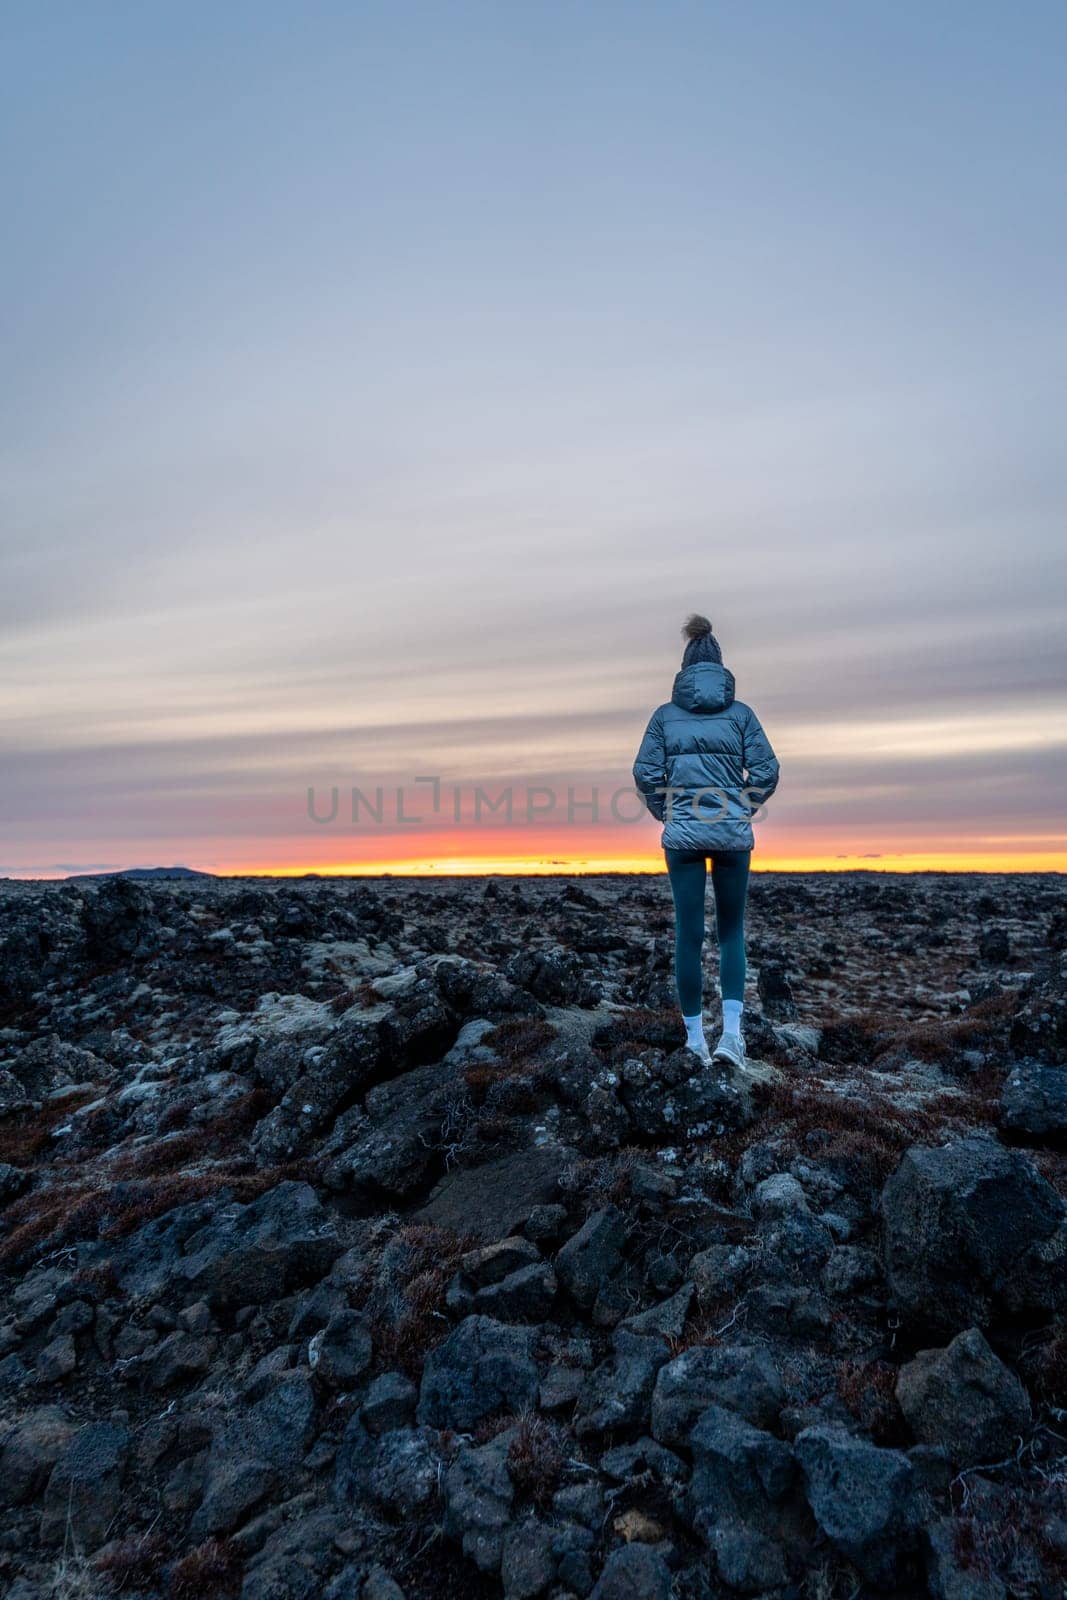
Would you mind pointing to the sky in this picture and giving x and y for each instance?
(383, 383)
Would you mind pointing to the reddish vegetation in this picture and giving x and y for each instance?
(536, 1458)
(29, 1133)
(47, 1220)
(403, 1341)
(210, 1572)
(867, 1388)
(132, 1564)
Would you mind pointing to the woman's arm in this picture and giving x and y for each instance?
(650, 766)
(761, 763)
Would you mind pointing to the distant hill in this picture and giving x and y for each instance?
(140, 872)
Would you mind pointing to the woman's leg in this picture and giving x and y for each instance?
(688, 872)
(729, 881)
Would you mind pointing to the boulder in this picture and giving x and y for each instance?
(491, 1262)
(780, 1195)
(667, 1319)
(591, 1255)
(743, 1479)
(973, 1234)
(340, 1353)
(253, 1254)
(555, 976)
(617, 1395)
(964, 1398)
(84, 1489)
(406, 1468)
(496, 1198)
(394, 1142)
(863, 1498)
(483, 1366)
(478, 1493)
(741, 1378)
(776, 992)
(524, 1296)
(528, 1564)
(636, 1572)
(1033, 1104)
(1039, 1026)
(50, 1063)
(390, 1403)
(29, 1450)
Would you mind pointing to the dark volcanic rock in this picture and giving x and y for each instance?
(776, 992)
(340, 1353)
(482, 1367)
(28, 1452)
(591, 1255)
(740, 1378)
(390, 1403)
(864, 1498)
(478, 1494)
(496, 1198)
(407, 1465)
(617, 1396)
(523, 1296)
(50, 1064)
(973, 1233)
(994, 946)
(554, 976)
(742, 1480)
(1039, 1026)
(649, 1333)
(120, 920)
(636, 1572)
(85, 1486)
(965, 1399)
(1033, 1105)
(251, 1254)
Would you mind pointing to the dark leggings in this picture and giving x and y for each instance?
(688, 870)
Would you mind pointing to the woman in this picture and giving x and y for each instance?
(704, 766)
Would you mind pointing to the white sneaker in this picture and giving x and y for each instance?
(702, 1053)
(731, 1047)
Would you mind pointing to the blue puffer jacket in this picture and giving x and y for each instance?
(705, 764)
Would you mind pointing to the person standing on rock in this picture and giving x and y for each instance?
(704, 766)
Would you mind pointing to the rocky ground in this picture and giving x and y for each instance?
(368, 1240)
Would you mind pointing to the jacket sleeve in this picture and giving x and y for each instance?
(761, 763)
(650, 766)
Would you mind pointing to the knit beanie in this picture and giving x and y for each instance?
(702, 645)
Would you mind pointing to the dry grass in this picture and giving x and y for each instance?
(210, 1572)
(600, 1181)
(1015, 1541)
(536, 1458)
(868, 1390)
(638, 1029)
(870, 1134)
(62, 1216)
(516, 1039)
(518, 1043)
(852, 1041)
(1043, 1363)
(403, 1342)
(162, 1155)
(133, 1564)
(71, 1578)
(29, 1133)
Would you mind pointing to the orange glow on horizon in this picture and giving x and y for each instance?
(566, 866)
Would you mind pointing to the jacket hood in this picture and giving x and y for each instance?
(705, 686)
